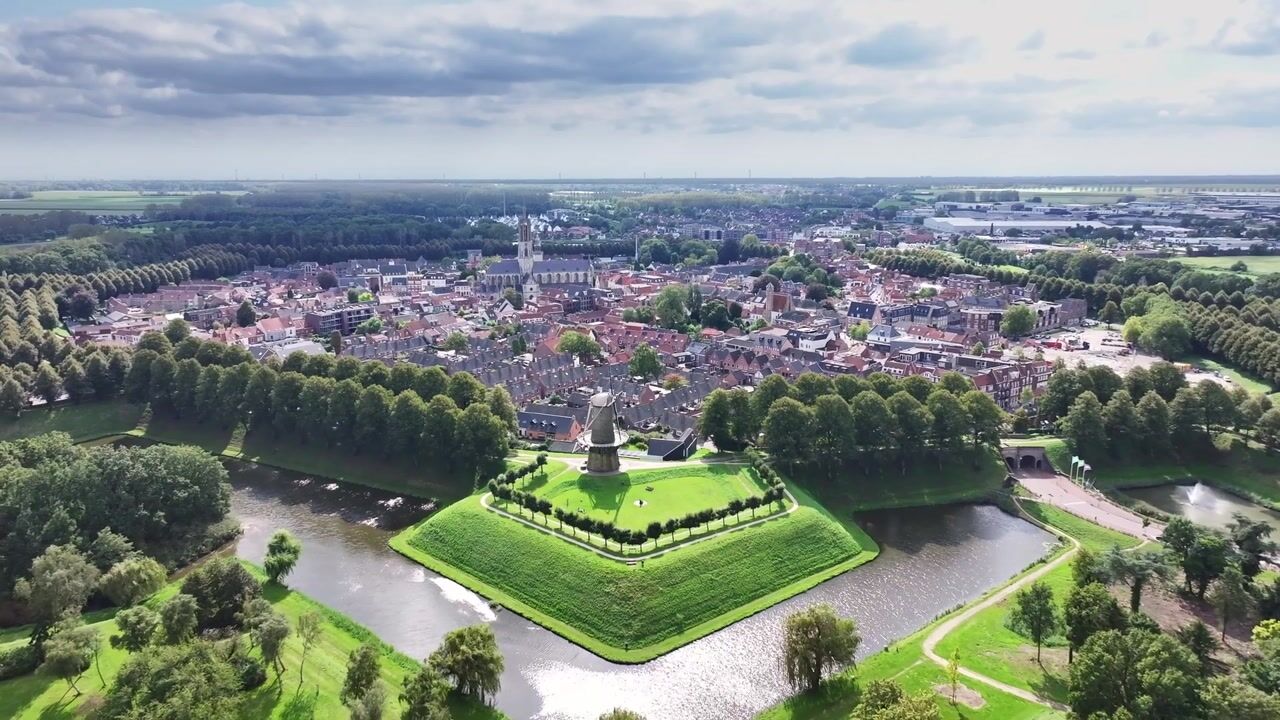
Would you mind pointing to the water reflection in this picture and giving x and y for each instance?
(932, 560)
(1203, 504)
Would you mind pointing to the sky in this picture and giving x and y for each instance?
(125, 89)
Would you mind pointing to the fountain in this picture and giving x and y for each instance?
(1195, 494)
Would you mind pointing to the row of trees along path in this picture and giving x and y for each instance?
(486, 501)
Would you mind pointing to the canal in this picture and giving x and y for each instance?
(932, 559)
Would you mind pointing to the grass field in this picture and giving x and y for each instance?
(37, 696)
(1258, 264)
(1248, 381)
(81, 422)
(634, 499)
(985, 645)
(104, 202)
(633, 613)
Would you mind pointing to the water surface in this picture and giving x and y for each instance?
(1203, 504)
(932, 559)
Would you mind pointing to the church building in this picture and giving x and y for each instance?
(528, 272)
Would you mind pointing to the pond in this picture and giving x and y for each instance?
(932, 560)
(1203, 504)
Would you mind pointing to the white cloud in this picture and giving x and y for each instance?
(604, 78)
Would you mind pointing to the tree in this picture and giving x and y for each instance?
(1018, 320)
(1251, 538)
(771, 389)
(670, 307)
(13, 399)
(1144, 674)
(372, 326)
(1179, 535)
(269, 632)
(373, 418)
(283, 551)
(246, 315)
(787, 430)
(1200, 641)
(1085, 426)
(950, 422)
(1034, 613)
(326, 280)
(1230, 596)
(132, 580)
(1110, 313)
(834, 431)
(138, 626)
(576, 343)
(464, 389)
(985, 418)
(47, 384)
(1205, 561)
(424, 695)
(716, 421)
(362, 673)
(60, 583)
(179, 616)
(310, 630)
(83, 305)
(70, 650)
(1089, 609)
(503, 408)
(621, 714)
(75, 382)
(816, 641)
(953, 672)
(221, 589)
(1153, 416)
(1134, 570)
(885, 700)
(645, 363)
(188, 681)
(469, 658)
(1228, 699)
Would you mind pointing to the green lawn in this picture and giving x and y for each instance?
(37, 696)
(985, 645)
(1248, 381)
(853, 490)
(81, 422)
(124, 202)
(632, 613)
(1258, 264)
(634, 499)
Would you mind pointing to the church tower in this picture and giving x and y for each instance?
(524, 245)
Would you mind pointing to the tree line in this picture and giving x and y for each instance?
(878, 422)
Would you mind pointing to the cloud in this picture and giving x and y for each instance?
(905, 46)
(1077, 55)
(1255, 37)
(1034, 41)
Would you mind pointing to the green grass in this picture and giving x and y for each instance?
(632, 613)
(1248, 381)
(124, 202)
(665, 493)
(36, 696)
(964, 481)
(985, 645)
(81, 422)
(1258, 264)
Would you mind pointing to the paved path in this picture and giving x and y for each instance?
(1060, 491)
(1097, 509)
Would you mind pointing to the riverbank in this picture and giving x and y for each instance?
(984, 645)
(39, 697)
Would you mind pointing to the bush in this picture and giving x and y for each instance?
(17, 661)
(221, 588)
(251, 673)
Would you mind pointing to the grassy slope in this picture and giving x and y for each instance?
(632, 613)
(81, 422)
(36, 696)
(854, 491)
(987, 645)
(667, 493)
(1258, 264)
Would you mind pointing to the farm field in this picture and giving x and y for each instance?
(1258, 264)
(634, 499)
(40, 697)
(633, 612)
(122, 202)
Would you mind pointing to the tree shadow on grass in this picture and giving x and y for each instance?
(605, 492)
